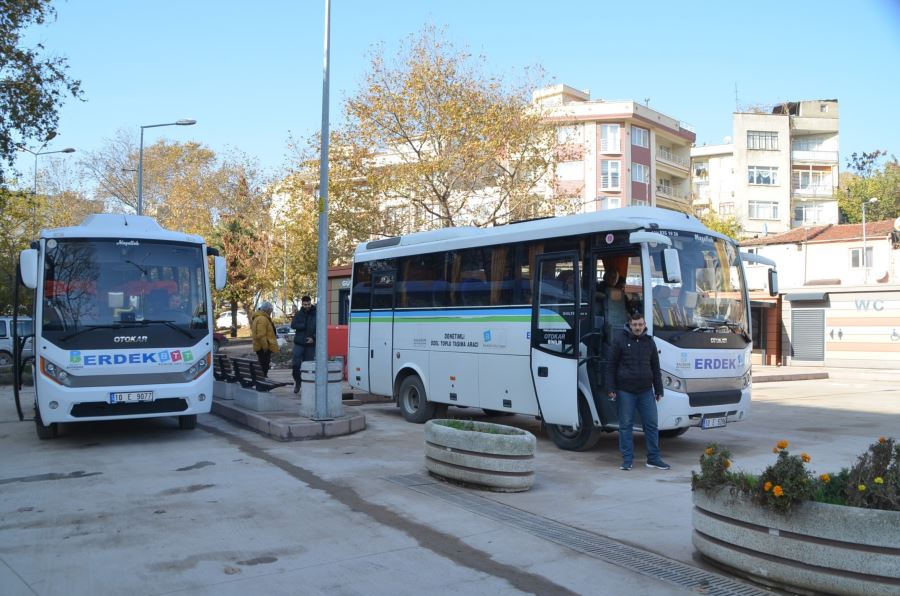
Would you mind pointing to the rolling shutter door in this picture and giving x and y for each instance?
(808, 334)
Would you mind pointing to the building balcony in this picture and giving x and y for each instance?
(829, 157)
(666, 156)
(670, 192)
(813, 191)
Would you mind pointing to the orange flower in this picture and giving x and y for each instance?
(774, 449)
(782, 444)
(727, 463)
(861, 488)
(767, 486)
(778, 491)
(710, 451)
(825, 478)
(882, 440)
(805, 457)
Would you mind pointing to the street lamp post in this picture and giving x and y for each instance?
(40, 151)
(140, 201)
(865, 258)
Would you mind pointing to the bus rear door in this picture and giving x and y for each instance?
(381, 333)
(554, 337)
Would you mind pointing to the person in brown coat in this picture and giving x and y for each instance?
(264, 339)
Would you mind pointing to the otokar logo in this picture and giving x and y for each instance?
(718, 340)
(128, 243)
(130, 339)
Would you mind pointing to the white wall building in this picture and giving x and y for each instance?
(780, 172)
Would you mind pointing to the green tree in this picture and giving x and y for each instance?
(16, 212)
(724, 224)
(32, 86)
(870, 175)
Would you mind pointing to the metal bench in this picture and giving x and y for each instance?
(222, 369)
(248, 373)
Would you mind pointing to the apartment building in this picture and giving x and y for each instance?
(617, 153)
(780, 171)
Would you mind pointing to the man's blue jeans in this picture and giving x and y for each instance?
(645, 403)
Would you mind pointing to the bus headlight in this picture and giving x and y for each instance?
(54, 372)
(198, 368)
(673, 382)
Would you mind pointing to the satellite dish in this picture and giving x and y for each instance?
(897, 224)
(726, 140)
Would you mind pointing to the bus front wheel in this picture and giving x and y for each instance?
(576, 439)
(413, 402)
(187, 422)
(44, 433)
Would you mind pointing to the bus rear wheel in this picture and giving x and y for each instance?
(44, 433)
(413, 402)
(188, 422)
(576, 439)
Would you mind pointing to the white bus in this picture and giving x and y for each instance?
(486, 318)
(121, 322)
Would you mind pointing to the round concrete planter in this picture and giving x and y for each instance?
(491, 456)
(815, 548)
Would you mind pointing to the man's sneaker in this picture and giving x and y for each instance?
(659, 465)
(625, 466)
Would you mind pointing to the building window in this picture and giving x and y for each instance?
(701, 169)
(570, 170)
(726, 209)
(809, 143)
(609, 138)
(823, 107)
(640, 173)
(610, 202)
(568, 134)
(762, 139)
(640, 137)
(812, 213)
(763, 175)
(856, 259)
(609, 173)
(763, 210)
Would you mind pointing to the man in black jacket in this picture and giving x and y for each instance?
(304, 326)
(636, 382)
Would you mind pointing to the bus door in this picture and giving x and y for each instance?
(608, 315)
(381, 333)
(554, 337)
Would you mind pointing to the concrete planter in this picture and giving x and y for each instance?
(816, 548)
(502, 460)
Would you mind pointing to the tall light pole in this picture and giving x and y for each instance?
(322, 269)
(865, 258)
(40, 151)
(140, 201)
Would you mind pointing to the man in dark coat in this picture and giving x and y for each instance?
(304, 326)
(635, 381)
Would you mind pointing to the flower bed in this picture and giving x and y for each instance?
(835, 532)
(482, 454)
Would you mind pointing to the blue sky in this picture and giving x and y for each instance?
(251, 73)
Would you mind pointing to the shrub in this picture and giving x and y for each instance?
(873, 482)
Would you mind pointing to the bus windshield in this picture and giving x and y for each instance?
(107, 293)
(710, 295)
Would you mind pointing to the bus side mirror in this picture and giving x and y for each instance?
(28, 267)
(671, 266)
(219, 272)
(773, 282)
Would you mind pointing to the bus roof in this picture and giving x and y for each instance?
(117, 225)
(627, 218)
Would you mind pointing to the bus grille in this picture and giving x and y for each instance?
(99, 408)
(714, 398)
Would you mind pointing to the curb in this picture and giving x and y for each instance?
(285, 426)
(791, 376)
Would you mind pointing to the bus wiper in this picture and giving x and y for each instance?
(170, 324)
(694, 329)
(736, 327)
(87, 328)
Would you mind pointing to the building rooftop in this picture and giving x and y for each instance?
(826, 233)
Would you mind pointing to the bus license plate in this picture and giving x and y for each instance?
(713, 422)
(122, 397)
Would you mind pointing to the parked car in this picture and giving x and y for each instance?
(285, 332)
(224, 320)
(25, 327)
(219, 340)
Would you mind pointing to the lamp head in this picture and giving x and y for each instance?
(68, 150)
(186, 122)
